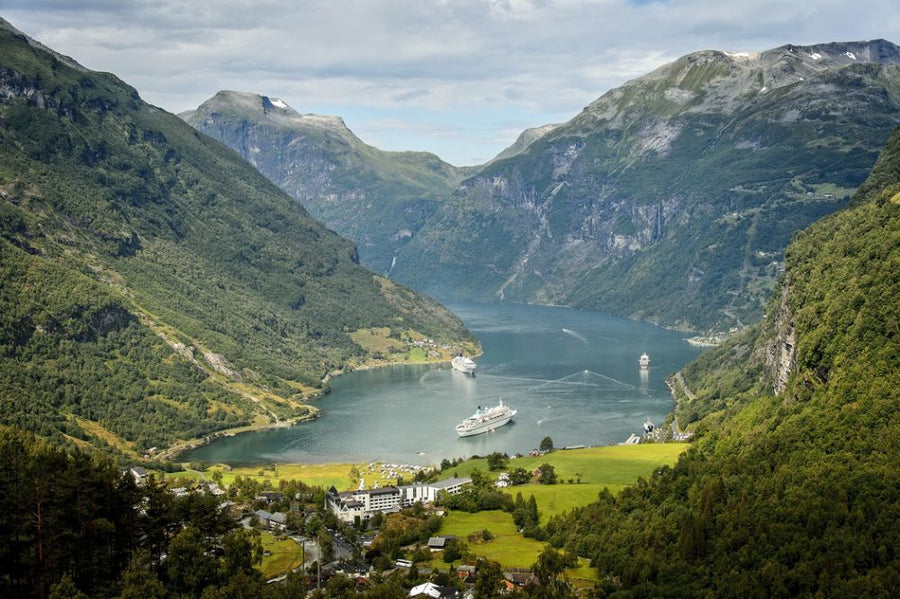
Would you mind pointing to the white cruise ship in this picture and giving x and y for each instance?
(485, 420)
(644, 361)
(463, 364)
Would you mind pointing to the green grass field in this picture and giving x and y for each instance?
(558, 499)
(284, 556)
(507, 547)
(609, 465)
(613, 467)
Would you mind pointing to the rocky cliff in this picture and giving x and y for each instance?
(377, 199)
(673, 197)
(780, 352)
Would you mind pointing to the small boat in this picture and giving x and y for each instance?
(464, 365)
(644, 361)
(483, 421)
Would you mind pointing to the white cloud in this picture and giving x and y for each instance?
(464, 63)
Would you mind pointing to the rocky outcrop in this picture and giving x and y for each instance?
(781, 351)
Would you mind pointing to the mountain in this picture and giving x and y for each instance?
(525, 139)
(671, 198)
(377, 199)
(154, 287)
(792, 487)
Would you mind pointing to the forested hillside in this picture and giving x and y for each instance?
(153, 285)
(793, 486)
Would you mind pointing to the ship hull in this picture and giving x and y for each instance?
(486, 427)
(464, 365)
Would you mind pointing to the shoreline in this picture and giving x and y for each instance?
(175, 451)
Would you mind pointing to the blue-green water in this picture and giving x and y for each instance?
(572, 375)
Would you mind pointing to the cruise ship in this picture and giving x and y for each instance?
(485, 420)
(644, 361)
(463, 364)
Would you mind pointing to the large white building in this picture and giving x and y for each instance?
(364, 503)
(428, 492)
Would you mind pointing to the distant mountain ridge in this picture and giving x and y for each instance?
(522, 143)
(375, 198)
(672, 197)
(154, 287)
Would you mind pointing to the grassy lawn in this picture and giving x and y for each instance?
(613, 467)
(285, 556)
(507, 547)
(609, 465)
(559, 499)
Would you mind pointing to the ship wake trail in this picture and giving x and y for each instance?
(572, 333)
(585, 378)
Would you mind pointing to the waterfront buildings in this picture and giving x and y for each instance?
(364, 503)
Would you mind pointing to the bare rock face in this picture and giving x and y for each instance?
(781, 352)
(359, 191)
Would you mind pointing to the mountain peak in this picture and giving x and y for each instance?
(877, 51)
(525, 139)
(257, 107)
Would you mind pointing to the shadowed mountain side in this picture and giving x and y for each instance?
(377, 199)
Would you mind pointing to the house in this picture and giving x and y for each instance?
(520, 579)
(429, 589)
(352, 570)
(466, 574)
(440, 542)
(272, 521)
(139, 474)
(268, 497)
(212, 488)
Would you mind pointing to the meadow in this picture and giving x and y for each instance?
(280, 555)
(611, 467)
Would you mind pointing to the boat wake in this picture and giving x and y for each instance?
(586, 378)
(572, 333)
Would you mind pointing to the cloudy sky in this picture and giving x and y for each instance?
(460, 78)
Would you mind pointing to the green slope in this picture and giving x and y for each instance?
(155, 286)
(377, 199)
(671, 198)
(788, 494)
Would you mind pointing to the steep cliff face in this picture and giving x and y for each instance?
(377, 199)
(673, 197)
(780, 352)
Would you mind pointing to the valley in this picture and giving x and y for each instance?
(207, 392)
